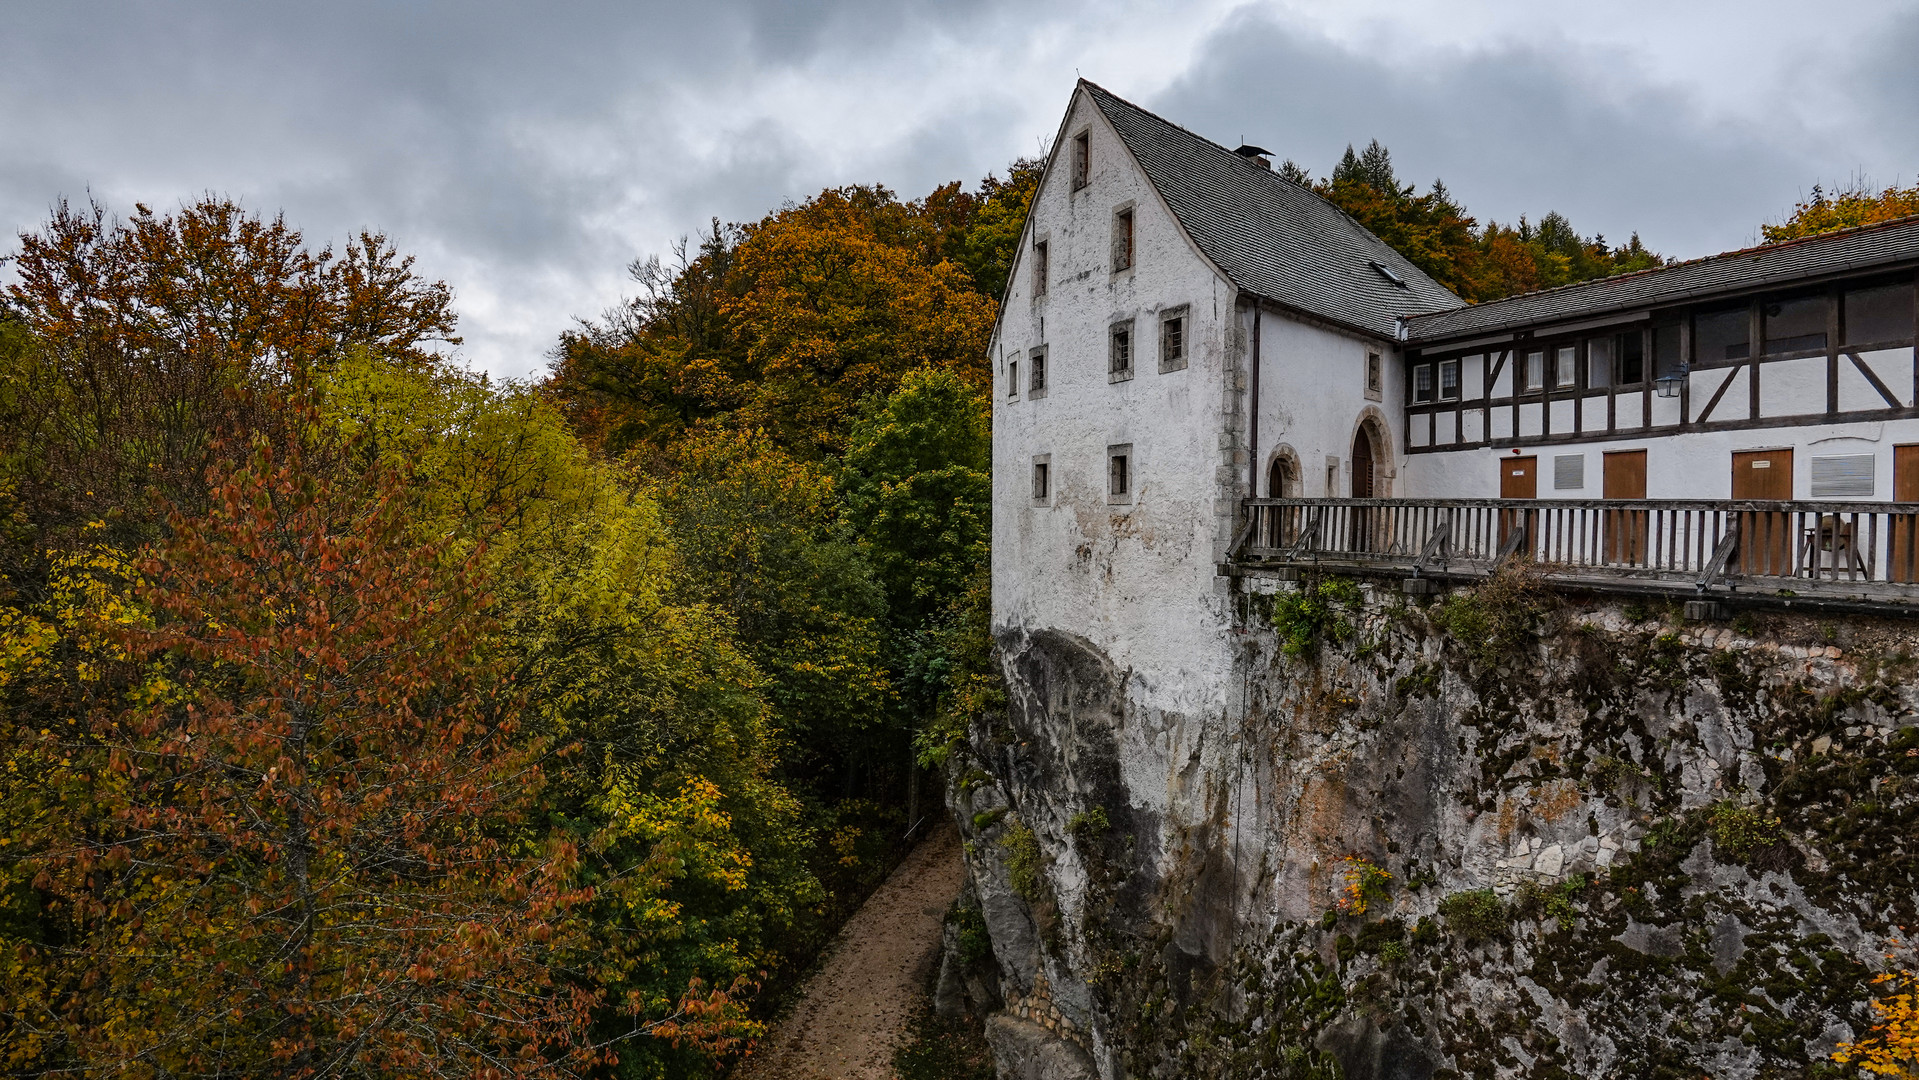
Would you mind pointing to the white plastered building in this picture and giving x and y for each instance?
(1184, 329)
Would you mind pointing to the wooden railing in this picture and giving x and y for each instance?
(1705, 543)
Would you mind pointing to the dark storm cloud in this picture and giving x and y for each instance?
(1516, 129)
(514, 146)
(526, 152)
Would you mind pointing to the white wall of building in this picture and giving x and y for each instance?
(1312, 399)
(1137, 579)
(1692, 465)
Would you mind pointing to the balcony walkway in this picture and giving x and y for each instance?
(1841, 556)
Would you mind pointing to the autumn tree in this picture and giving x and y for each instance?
(787, 324)
(278, 810)
(1890, 1046)
(697, 849)
(1856, 204)
(141, 346)
(1435, 233)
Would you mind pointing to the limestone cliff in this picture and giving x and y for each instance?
(1499, 833)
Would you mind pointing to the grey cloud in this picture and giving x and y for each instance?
(527, 152)
(1514, 129)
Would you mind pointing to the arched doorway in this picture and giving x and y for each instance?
(1282, 478)
(1363, 455)
(1282, 482)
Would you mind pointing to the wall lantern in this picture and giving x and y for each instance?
(1668, 385)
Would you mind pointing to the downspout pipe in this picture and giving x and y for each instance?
(1252, 437)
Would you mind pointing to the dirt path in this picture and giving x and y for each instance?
(856, 1007)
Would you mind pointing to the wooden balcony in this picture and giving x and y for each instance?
(1827, 555)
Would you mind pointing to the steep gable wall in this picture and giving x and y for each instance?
(1135, 577)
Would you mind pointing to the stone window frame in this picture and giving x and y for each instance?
(1042, 264)
(1012, 378)
(1036, 373)
(1124, 259)
(1183, 315)
(1122, 468)
(1115, 373)
(1375, 375)
(1042, 479)
(1082, 159)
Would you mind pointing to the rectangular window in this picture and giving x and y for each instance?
(1119, 352)
(1535, 370)
(1846, 477)
(1012, 379)
(1422, 383)
(1665, 350)
(1797, 325)
(1449, 380)
(1036, 382)
(1881, 315)
(1082, 160)
(1039, 268)
(1123, 240)
(1565, 374)
(1632, 358)
(1375, 374)
(1042, 479)
(1720, 335)
(1569, 472)
(1119, 473)
(1172, 339)
(1599, 362)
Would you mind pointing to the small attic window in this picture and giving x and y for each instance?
(1386, 273)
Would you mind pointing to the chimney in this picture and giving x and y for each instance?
(1258, 155)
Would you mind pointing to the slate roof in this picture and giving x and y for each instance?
(1273, 237)
(1887, 244)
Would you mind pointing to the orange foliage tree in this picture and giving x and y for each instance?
(1891, 1047)
(787, 324)
(283, 816)
(1854, 206)
(152, 334)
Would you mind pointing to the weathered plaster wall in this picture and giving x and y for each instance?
(1617, 846)
(1312, 397)
(1137, 576)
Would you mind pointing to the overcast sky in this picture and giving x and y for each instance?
(527, 152)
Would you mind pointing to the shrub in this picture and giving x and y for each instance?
(1498, 619)
(975, 943)
(1316, 612)
(1475, 915)
(1088, 825)
(1023, 861)
(1739, 832)
(1360, 883)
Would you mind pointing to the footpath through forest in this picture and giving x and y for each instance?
(854, 1011)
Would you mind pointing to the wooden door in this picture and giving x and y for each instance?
(1626, 530)
(1365, 520)
(1518, 479)
(1765, 537)
(1905, 527)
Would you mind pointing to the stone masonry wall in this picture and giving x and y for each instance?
(1501, 833)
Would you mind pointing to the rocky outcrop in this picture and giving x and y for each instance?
(1023, 1050)
(1503, 833)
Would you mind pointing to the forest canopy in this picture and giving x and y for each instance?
(366, 715)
